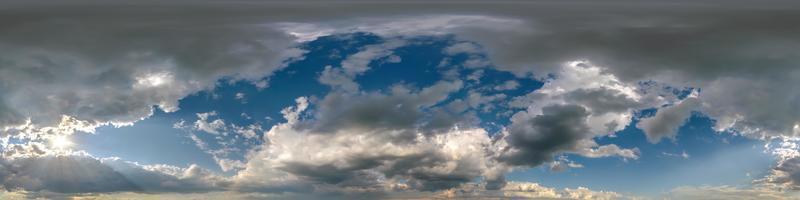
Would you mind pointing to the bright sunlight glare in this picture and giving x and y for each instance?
(60, 142)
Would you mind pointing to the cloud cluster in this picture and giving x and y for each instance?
(785, 175)
(375, 142)
(116, 69)
(370, 141)
(81, 173)
(223, 141)
(720, 50)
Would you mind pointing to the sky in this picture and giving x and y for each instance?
(399, 99)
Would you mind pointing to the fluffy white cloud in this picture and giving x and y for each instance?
(216, 126)
(609, 102)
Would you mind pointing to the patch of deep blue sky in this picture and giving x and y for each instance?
(713, 158)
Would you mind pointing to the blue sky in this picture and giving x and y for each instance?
(250, 101)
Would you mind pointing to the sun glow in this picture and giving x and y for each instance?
(60, 142)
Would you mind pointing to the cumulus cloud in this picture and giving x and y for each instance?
(608, 101)
(533, 140)
(568, 112)
(667, 120)
(384, 122)
(372, 142)
(203, 123)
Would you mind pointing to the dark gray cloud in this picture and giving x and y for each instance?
(365, 171)
(536, 140)
(402, 110)
(115, 69)
(696, 43)
(667, 120)
(441, 119)
(368, 112)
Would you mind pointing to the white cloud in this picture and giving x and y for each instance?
(683, 155)
(508, 85)
(562, 164)
(463, 47)
(228, 140)
(240, 96)
(206, 124)
(374, 152)
(250, 131)
(358, 63)
(609, 101)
